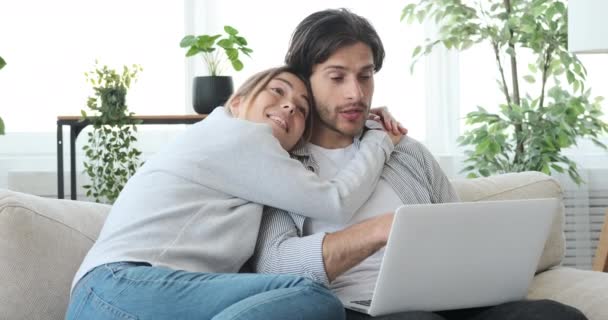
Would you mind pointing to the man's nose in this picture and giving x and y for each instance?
(354, 90)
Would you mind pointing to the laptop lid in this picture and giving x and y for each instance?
(461, 255)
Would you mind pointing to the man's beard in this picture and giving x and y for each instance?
(329, 119)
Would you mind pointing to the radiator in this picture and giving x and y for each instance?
(585, 209)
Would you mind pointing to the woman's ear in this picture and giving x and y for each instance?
(235, 104)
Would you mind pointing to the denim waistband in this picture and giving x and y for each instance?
(117, 266)
(112, 266)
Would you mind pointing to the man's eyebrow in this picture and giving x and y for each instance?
(339, 67)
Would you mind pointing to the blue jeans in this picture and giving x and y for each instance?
(128, 291)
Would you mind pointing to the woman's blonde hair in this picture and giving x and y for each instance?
(252, 87)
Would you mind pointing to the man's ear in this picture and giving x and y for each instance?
(235, 105)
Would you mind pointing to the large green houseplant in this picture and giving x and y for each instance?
(211, 91)
(532, 128)
(111, 155)
(2, 64)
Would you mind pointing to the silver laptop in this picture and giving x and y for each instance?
(460, 255)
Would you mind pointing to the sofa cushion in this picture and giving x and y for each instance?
(42, 243)
(582, 289)
(523, 185)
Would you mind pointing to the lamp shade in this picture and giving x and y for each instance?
(588, 26)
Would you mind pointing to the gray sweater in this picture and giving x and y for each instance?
(283, 248)
(197, 204)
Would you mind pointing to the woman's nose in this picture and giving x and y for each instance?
(289, 107)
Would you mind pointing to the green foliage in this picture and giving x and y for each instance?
(206, 45)
(2, 63)
(111, 156)
(529, 132)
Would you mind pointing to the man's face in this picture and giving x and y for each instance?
(343, 87)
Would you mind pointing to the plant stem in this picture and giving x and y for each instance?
(545, 75)
(502, 73)
(519, 149)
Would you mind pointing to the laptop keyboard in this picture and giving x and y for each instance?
(366, 303)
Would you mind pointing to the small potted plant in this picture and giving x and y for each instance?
(211, 91)
(2, 64)
(111, 155)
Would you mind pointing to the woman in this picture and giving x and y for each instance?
(188, 219)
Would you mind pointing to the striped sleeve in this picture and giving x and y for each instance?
(416, 176)
(281, 249)
(441, 188)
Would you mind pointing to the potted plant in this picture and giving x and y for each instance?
(211, 91)
(111, 155)
(532, 127)
(2, 64)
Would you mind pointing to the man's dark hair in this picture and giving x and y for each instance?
(320, 34)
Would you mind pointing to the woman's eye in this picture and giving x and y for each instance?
(302, 110)
(277, 90)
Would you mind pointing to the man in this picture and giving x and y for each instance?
(340, 52)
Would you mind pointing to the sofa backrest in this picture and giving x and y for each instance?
(522, 185)
(42, 243)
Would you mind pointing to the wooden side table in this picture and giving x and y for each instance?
(76, 125)
(600, 262)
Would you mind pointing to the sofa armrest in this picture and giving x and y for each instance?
(522, 185)
(42, 243)
(600, 261)
(583, 289)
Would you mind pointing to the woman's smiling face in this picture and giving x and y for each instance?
(283, 104)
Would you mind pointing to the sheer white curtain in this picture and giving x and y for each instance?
(442, 90)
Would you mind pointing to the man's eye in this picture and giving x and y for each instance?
(337, 78)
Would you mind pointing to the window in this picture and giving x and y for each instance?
(48, 46)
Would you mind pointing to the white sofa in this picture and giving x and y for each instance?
(42, 242)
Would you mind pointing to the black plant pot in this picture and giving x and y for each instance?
(210, 92)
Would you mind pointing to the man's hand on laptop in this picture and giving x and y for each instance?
(346, 248)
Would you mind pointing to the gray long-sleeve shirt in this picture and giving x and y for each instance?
(282, 247)
(197, 204)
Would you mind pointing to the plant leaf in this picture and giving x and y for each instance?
(237, 64)
(230, 30)
(187, 41)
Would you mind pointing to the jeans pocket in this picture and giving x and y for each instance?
(95, 308)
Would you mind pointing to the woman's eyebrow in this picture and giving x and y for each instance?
(305, 97)
(285, 81)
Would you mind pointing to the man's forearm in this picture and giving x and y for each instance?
(346, 248)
